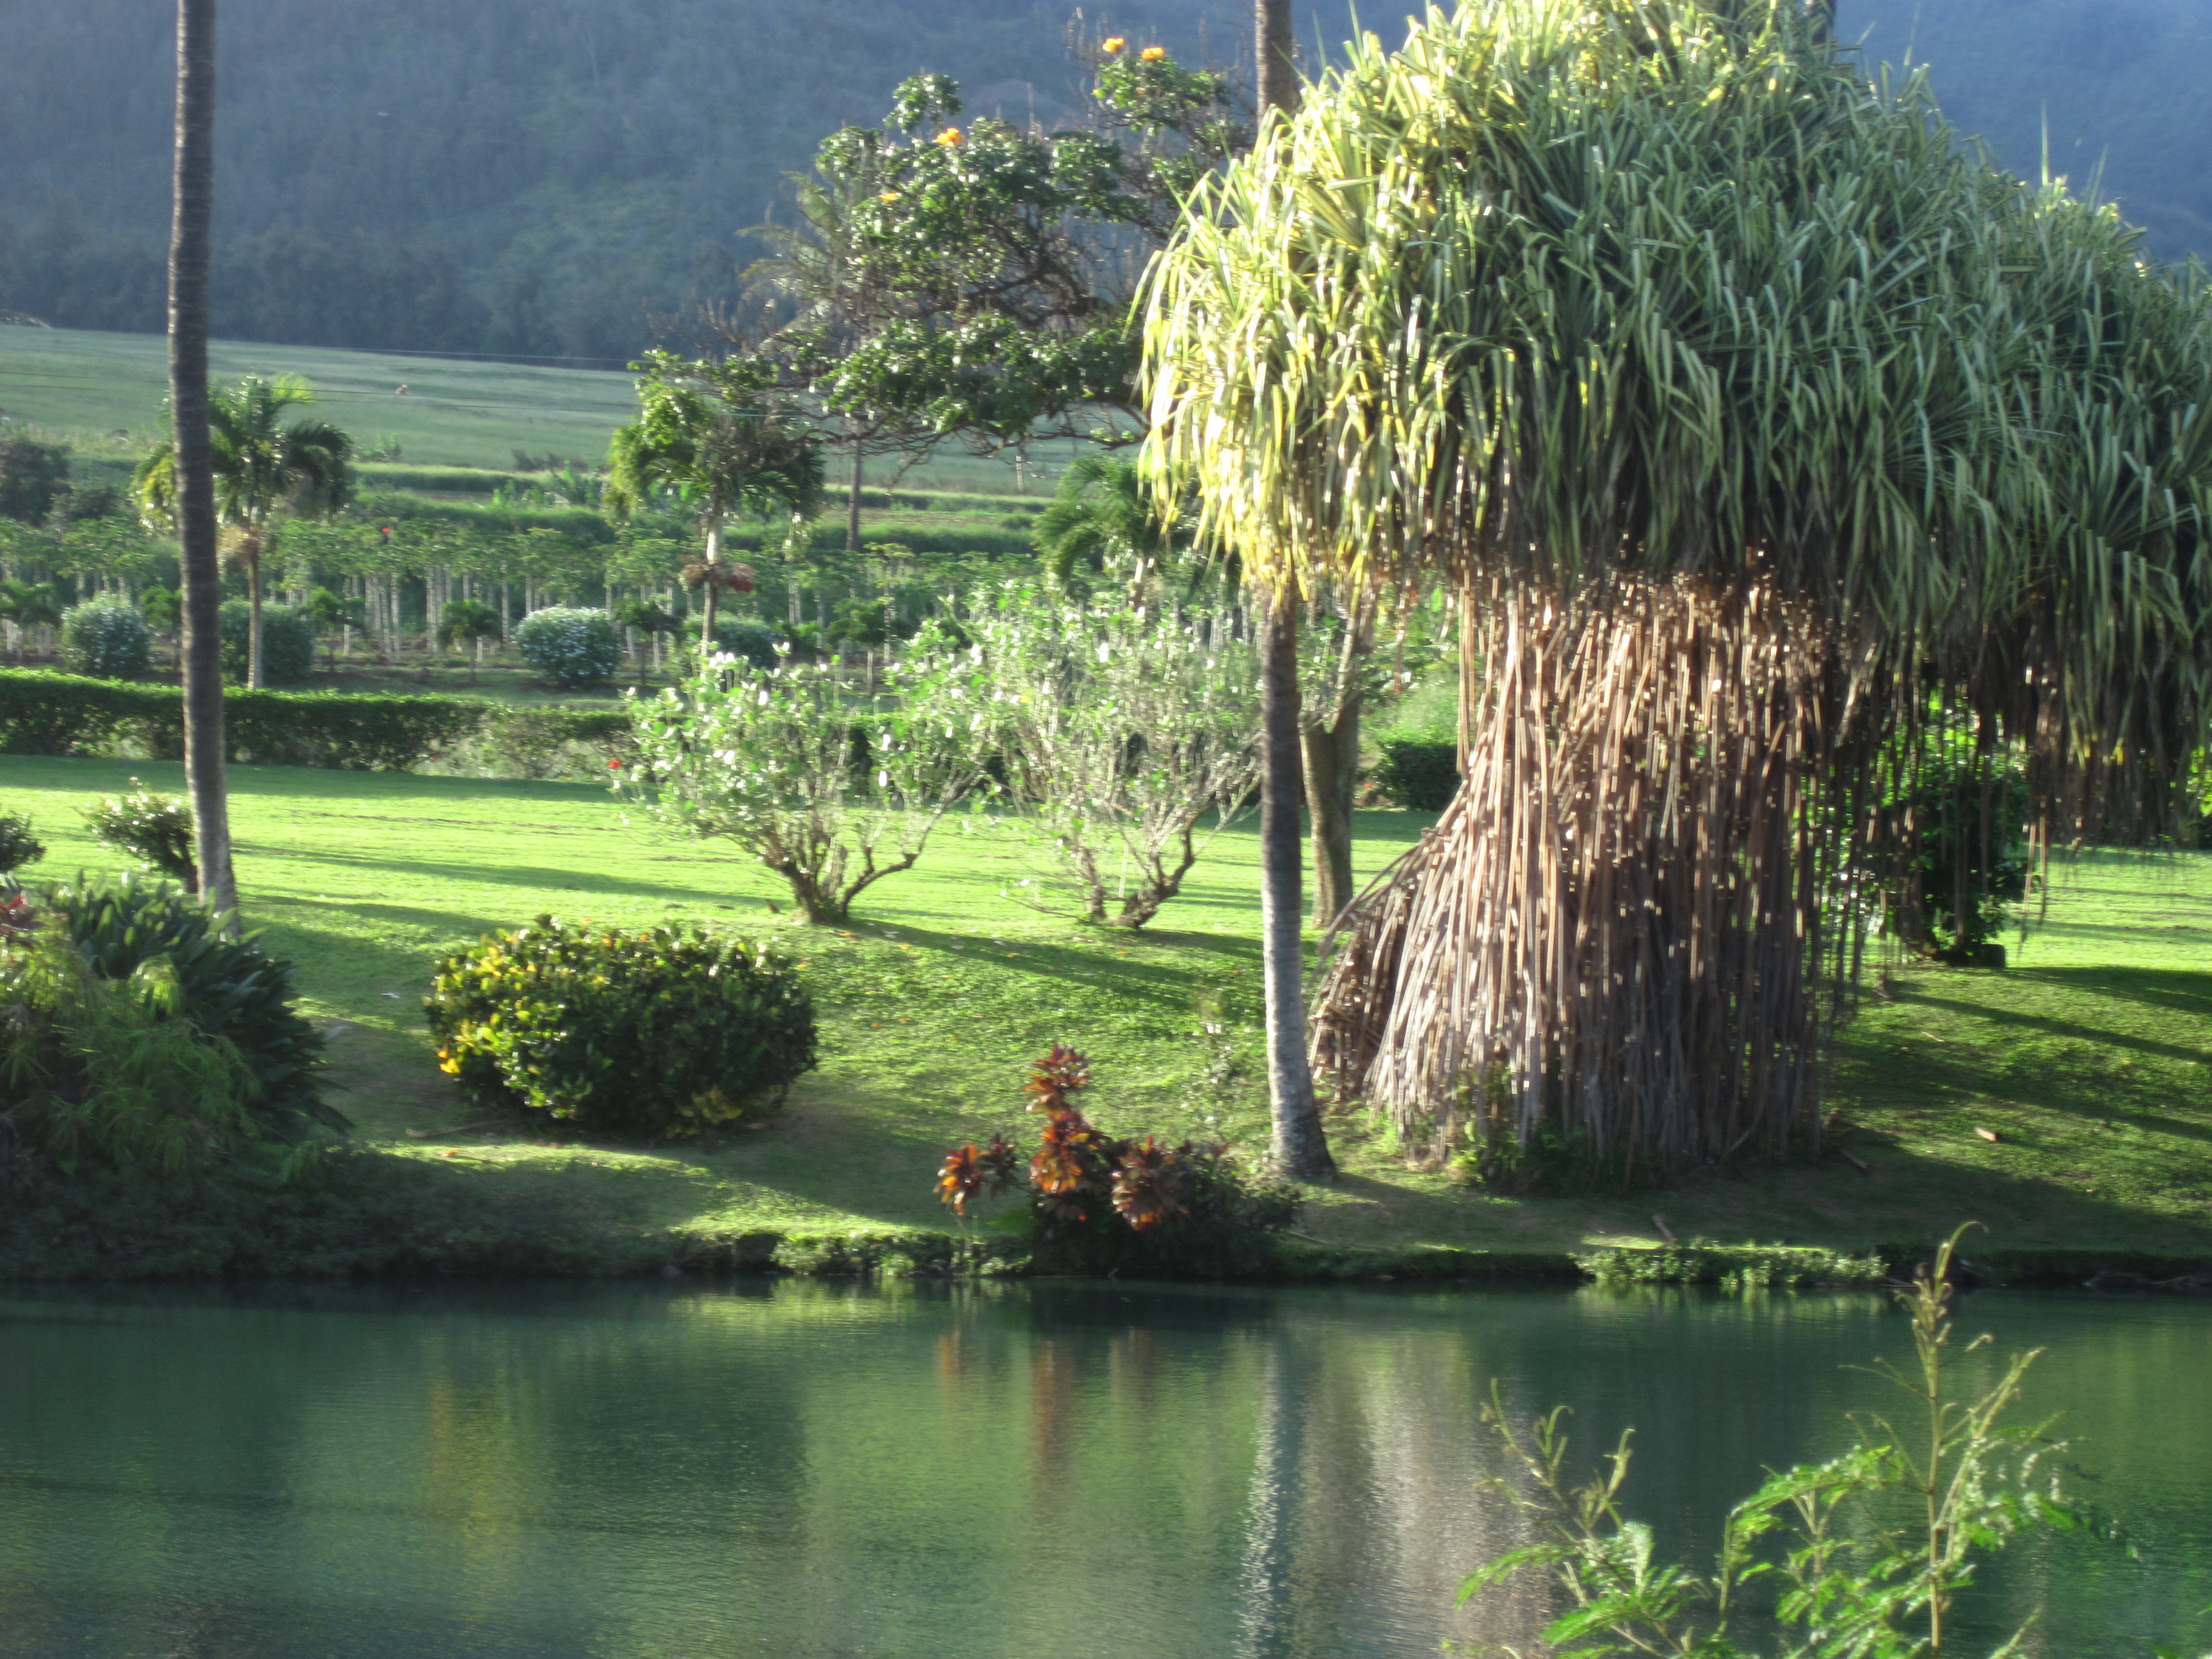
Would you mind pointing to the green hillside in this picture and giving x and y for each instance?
(102, 393)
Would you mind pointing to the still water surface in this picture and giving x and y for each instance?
(800, 1470)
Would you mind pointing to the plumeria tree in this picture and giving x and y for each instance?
(780, 761)
(1129, 737)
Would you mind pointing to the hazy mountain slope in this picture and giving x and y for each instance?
(2116, 84)
(517, 175)
(530, 176)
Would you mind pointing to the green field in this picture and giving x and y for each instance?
(104, 394)
(2091, 1058)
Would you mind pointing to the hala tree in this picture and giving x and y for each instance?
(1772, 420)
(718, 435)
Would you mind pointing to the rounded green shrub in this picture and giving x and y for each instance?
(569, 646)
(1422, 776)
(754, 643)
(288, 643)
(657, 1032)
(107, 640)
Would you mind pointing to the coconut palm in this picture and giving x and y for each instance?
(1298, 1146)
(263, 465)
(717, 434)
(198, 557)
(1751, 415)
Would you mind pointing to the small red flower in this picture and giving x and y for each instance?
(616, 763)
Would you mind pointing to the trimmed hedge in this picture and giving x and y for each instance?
(48, 713)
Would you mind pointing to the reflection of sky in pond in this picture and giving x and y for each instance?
(994, 1472)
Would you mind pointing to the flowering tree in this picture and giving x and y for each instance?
(1128, 734)
(831, 794)
(974, 280)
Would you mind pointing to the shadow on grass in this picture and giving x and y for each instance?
(2105, 1036)
(537, 877)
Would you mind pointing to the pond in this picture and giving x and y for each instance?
(798, 1469)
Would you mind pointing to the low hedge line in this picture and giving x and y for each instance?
(43, 712)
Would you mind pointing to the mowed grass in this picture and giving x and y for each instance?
(2090, 1060)
(85, 387)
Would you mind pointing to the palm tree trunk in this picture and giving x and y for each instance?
(1299, 1149)
(253, 551)
(710, 586)
(201, 653)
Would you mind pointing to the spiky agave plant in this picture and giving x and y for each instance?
(1752, 416)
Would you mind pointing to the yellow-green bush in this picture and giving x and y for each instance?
(662, 1031)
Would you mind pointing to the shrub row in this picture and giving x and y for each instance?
(43, 712)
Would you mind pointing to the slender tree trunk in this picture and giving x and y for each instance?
(201, 653)
(710, 588)
(1276, 56)
(1332, 761)
(852, 507)
(1331, 738)
(1299, 1149)
(254, 677)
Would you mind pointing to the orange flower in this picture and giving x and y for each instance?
(950, 137)
(1153, 54)
(1113, 43)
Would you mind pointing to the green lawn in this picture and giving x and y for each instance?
(2091, 1058)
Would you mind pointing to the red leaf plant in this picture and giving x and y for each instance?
(968, 1175)
(1062, 1072)
(1079, 1171)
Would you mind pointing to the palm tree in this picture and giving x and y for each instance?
(469, 623)
(717, 434)
(198, 560)
(1104, 517)
(262, 465)
(1751, 415)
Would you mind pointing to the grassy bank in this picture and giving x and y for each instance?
(2090, 1061)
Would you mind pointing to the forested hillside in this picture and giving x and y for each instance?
(535, 176)
(511, 176)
